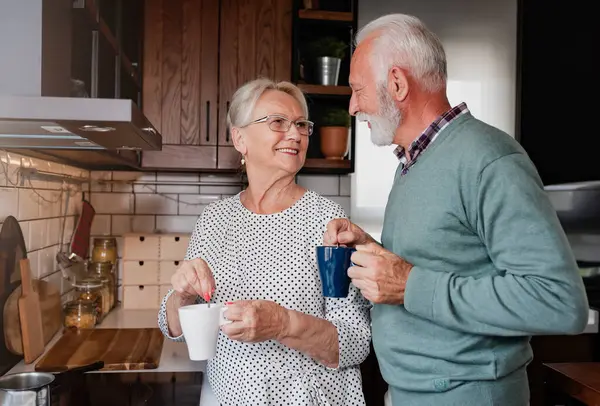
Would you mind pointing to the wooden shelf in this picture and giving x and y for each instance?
(331, 90)
(315, 163)
(325, 15)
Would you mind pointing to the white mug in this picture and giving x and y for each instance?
(200, 325)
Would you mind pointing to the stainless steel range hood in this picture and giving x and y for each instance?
(74, 123)
(37, 112)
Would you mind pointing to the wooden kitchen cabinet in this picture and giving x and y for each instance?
(196, 54)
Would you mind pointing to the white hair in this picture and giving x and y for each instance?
(245, 98)
(404, 41)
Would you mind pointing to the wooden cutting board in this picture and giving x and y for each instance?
(50, 306)
(120, 349)
(30, 316)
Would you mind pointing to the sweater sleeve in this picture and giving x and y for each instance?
(536, 289)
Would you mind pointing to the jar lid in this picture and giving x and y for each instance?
(105, 242)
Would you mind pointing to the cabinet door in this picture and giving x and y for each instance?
(180, 81)
(107, 64)
(256, 40)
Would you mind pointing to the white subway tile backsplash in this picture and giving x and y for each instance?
(101, 225)
(176, 224)
(49, 202)
(345, 185)
(136, 224)
(194, 204)
(53, 234)
(47, 261)
(38, 164)
(37, 234)
(177, 177)
(96, 178)
(229, 186)
(9, 203)
(34, 263)
(25, 231)
(112, 203)
(9, 167)
(155, 204)
(324, 185)
(69, 228)
(39, 205)
(28, 205)
(127, 176)
(75, 203)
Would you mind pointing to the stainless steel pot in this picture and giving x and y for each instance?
(35, 388)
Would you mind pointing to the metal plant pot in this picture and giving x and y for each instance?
(327, 70)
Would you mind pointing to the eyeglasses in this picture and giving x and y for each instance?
(283, 124)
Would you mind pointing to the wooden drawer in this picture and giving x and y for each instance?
(141, 297)
(166, 271)
(163, 290)
(141, 247)
(140, 272)
(173, 246)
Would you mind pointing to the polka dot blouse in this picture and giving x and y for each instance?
(271, 257)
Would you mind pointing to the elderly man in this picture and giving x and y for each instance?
(473, 260)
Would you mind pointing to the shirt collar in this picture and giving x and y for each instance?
(430, 133)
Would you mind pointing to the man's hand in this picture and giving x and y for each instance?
(254, 321)
(380, 275)
(343, 232)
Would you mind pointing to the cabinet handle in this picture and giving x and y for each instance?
(227, 131)
(94, 70)
(207, 121)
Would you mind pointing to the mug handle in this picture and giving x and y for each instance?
(352, 251)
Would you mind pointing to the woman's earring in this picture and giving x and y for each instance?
(243, 161)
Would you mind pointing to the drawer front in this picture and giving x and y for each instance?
(166, 271)
(173, 246)
(164, 289)
(141, 297)
(140, 272)
(141, 247)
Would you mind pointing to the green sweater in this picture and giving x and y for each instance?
(492, 267)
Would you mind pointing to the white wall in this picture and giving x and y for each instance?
(480, 38)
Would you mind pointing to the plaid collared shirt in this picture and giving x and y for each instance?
(427, 137)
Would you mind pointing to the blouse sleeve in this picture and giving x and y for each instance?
(194, 249)
(351, 317)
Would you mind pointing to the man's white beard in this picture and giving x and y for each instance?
(385, 123)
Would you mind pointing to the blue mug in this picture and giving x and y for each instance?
(333, 264)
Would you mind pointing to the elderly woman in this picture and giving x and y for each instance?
(287, 344)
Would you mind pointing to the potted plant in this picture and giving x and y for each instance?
(327, 54)
(333, 132)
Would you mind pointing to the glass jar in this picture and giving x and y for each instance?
(105, 250)
(79, 314)
(90, 289)
(104, 271)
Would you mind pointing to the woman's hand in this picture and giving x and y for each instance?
(194, 278)
(254, 321)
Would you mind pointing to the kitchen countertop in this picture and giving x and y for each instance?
(174, 357)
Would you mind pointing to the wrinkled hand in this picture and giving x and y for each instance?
(254, 321)
(380, 275)
(194, 278)
(343, 232)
